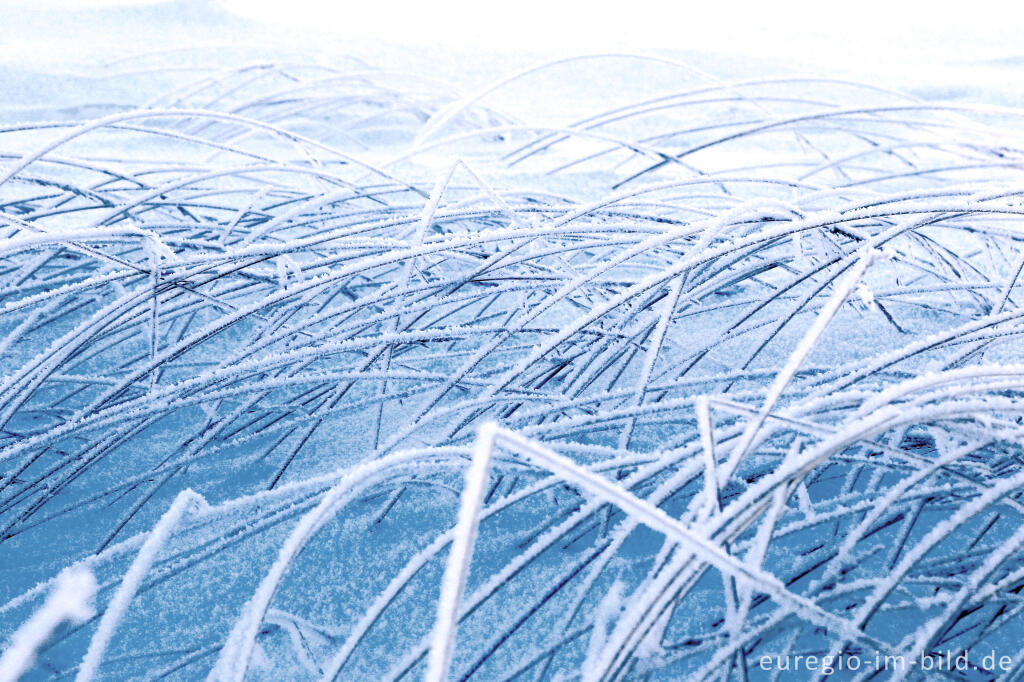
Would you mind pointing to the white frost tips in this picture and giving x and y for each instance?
(69, 601)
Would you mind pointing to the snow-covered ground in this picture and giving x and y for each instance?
(325, 355)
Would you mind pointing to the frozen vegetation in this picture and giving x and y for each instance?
(322, 371)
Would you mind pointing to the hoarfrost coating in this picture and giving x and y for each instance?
(328, 369)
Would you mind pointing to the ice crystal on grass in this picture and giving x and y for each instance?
(749, 352)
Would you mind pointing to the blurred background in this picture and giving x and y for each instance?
(953, 43)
